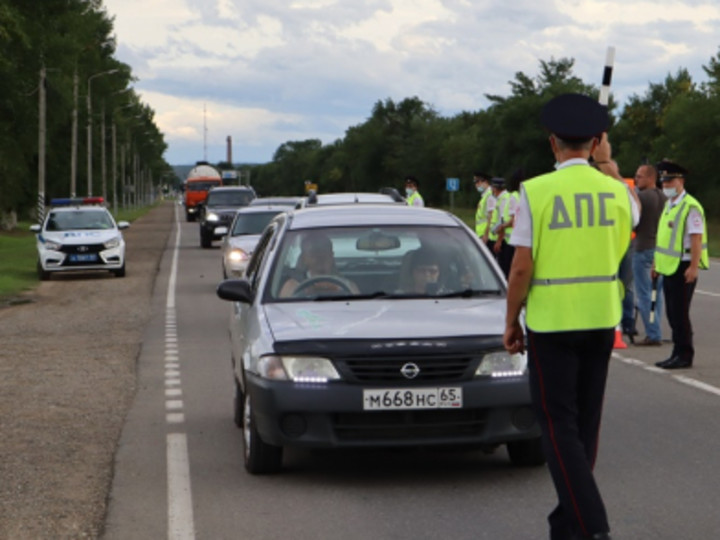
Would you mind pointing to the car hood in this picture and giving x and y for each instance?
(246, 242)
(80, 237)
(386, 319)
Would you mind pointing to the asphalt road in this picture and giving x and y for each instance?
(179, 471)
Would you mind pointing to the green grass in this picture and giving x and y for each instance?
(18, 256)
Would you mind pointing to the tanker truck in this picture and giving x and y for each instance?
(199, 181)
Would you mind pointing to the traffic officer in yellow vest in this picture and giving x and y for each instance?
(411, 190)
(505, 228)
(495, 217)
(681, 249)
(482, 185)
(572, 227)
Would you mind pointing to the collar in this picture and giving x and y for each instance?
(570, 162)
(676, 200)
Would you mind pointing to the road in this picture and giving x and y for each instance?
(179, 472)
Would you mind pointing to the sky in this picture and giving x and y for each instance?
(265, 72)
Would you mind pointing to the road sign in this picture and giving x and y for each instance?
(452, 184)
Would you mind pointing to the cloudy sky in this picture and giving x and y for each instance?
(269, 71)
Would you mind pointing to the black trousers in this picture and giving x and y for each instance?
(678, 296)
(568, 371)
(505, 257)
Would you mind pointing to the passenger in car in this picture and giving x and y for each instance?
(421, 274)
(316, 273)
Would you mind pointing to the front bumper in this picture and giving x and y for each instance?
(62, 261)
(494, 411)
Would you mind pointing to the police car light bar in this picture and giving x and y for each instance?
(76, 201)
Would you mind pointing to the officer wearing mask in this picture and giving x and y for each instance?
(572, 227)
(680, 251)
(482, 185)
(411, 191)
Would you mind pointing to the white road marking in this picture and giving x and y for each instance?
(689, 381)
(180, 521)
(180, 509)
(708, 293)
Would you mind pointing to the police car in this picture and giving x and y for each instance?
(360, 326)
(79, 234)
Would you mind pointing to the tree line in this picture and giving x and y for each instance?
(676, 118)
(62, 50)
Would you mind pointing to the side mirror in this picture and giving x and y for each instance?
(221, 231)
(36, 228)
(123, 224)
(236, 290)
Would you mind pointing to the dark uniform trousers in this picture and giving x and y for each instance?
(678, 296)
(505, 257)
(568, 371)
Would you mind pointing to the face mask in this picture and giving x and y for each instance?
(480, 189)
(409, 191)
(670, 192)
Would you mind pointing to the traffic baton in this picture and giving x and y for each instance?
(607, 76)
(653, 299)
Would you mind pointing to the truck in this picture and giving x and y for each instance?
(201, 179)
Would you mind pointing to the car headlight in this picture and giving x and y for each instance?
(304, 369)
(212, 216)
(53, 246)
(112, 243)
(238, 255)
(502, 364)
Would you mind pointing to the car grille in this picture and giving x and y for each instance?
(388, 370)
(82, 248)
(404, 425)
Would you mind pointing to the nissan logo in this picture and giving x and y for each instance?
(82, 249)
(410, 370)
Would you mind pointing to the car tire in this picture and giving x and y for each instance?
(238, 404)
(260, 457)
(42, 274)
(120, 272)
(527, 453)
(189, 217)
(205, 240)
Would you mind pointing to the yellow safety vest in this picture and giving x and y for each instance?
(411, 198)
(512, 196)
(497, 216)
(671, 230)
(481, 221)
(581, 223)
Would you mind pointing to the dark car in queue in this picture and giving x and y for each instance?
(218, 210)
(397, 341)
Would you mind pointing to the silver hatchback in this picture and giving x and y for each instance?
(364, 325)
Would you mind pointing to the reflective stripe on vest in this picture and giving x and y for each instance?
(514, 195)
(481, 213)
(581, 223)
(669, 246)
(497, 216)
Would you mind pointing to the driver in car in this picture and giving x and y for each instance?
(317, 262)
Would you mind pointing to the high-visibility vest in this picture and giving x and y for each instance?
(581, 223)
(497, 215)
(481, 221)
(411, 199)
(512, 196)
(671, 230)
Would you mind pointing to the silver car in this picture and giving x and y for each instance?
(243, 234)
(361, 326)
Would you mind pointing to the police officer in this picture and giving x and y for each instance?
(572, 227)
(411, 190)
(680, 251)
(495, 214)
(482, 185)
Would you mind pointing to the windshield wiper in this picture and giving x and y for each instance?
(470, 293)
(342, 297)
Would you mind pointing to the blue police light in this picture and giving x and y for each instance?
(76, 201)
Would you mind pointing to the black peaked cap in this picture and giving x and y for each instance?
(574, 117)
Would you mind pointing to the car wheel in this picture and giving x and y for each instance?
(189, 217)
(260, 458)
(205, 240)
(238, 405)
(120, 272)
(42, 274)
(528, 453)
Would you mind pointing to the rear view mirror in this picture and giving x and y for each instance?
(377, 241)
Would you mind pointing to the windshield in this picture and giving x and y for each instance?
(375, 262)
(79, 220)
(252, 222)
(230, 198)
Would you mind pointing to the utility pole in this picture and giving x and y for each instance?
(103, 161)
(114, 167)
(41, 146)
(74, 144)
(89, 128)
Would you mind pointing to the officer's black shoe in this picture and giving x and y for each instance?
(677, 363)
(663, 363)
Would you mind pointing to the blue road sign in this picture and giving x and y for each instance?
(452, 184)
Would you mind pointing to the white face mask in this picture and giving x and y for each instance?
(480, 189)
(670, 192)
(409, 191)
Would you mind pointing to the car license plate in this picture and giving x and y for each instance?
(383, 399)
(83, 257)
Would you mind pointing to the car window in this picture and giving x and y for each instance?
(383, 260)
(79, 220)
(252, 222)
(252, 272)
(230, 198)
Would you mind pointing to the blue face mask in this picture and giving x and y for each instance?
(480, 189)
(670, 192)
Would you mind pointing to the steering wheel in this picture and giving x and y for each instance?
(311, 282)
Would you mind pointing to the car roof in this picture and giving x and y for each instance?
(323, 199)
(79, 208)
(262, 208)
(232, 188)
(370, 214)
(283, 201)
